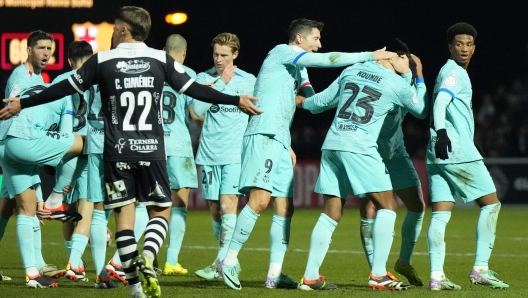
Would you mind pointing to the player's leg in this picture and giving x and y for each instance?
(259, 152)
(442, 198)
(140, 224)
(7, 207)
(182, 177)
(367, 212)
(407, 186)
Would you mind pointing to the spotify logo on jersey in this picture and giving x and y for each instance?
(214, 109)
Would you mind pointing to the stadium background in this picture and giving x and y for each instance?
(497, 71)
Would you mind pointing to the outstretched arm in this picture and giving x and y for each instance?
(325, 100)
(339, 59)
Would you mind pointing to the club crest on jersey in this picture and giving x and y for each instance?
(450, 81)
(132, 66)
(120, 145)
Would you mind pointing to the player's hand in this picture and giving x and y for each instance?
(443, 144)
(41, 213)
(293, 157)
(229, 73)
(381, 54)
(246, 105)
(13, 107)
(419, 68)
(67, 189)
(400, 64)
(299, 100)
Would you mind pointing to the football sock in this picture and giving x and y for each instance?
(435, 240)
(319, 244)
(176, 232)
(79, 243)
(486, 226)
(98, 241)
(68, 245)
(279, 240)
(154, 236)
(127, 248)
(365, 229)
(226, 233)
(37, 243)
(24, 232)
(244, 225)
(412, 225)
(382, 237)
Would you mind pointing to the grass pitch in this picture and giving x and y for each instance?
(344, 265)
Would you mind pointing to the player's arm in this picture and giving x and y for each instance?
(338, 59)
(67, 116)
(199, 108)
(443, 143)
(182, 83)
(325, 100)
(78, 82)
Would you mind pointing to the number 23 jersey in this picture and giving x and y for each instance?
(131, 79)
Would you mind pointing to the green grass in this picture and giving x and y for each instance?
(344, 264)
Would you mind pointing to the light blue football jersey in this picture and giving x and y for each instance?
(460, 124)
(176, 120)
(390, 140)
(19, 125)
(224, 125)
(95, 130)
(364, 94)
(278, 82)
(79, 104)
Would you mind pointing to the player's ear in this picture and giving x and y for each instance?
(235, 55)
(298, 38)
(28, 50)
(70, 62)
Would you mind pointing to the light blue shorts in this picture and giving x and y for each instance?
(80, 191)
(266, 164)
(219, 180)
(182, 172)
(402, 172)
(343, 173)
(96, 191)
(469, 181)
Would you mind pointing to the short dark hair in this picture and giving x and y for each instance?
(137, 19)
(412, 63)
(460, 28)
(79, 49)
(303, 26)
(37, 35)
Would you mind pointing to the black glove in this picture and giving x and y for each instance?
(443, 144)
(49, 170)
(480, 150)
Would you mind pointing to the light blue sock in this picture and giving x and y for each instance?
(140, 225)
(382, 237)
(217, 226)
(319, 244)
(79, 243)
(365, 228)
(411, 228)
(98, 241)
(244, 226)
(68, 171)
(486, 226)
(142, 219)
(68, 244)
(279, 238)
(24, 231)
(37, 243)
(176, 232)
(435, 239)
(225, 234)
(3, 225)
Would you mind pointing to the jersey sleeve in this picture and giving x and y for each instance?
(421, 94)
(306, 87)
(176, 76)
(332, 59)
(452, 84)
(408, 99)
(323, 101)
(85, 76)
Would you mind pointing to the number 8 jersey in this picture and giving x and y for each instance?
(130, 79)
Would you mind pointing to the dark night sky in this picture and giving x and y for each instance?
(501, 54)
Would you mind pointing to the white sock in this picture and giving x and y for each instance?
(438, 275)
(275, 270)
(480, 269)
(32, 271)
(54, 200)
(231, 257)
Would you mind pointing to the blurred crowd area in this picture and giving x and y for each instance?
(501, 126)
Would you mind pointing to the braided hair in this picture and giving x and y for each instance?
(412, 63)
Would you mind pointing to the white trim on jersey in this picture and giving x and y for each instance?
(186, 86)
(75, 85)
(132, 50)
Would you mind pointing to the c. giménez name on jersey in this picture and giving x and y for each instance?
(135, 82)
